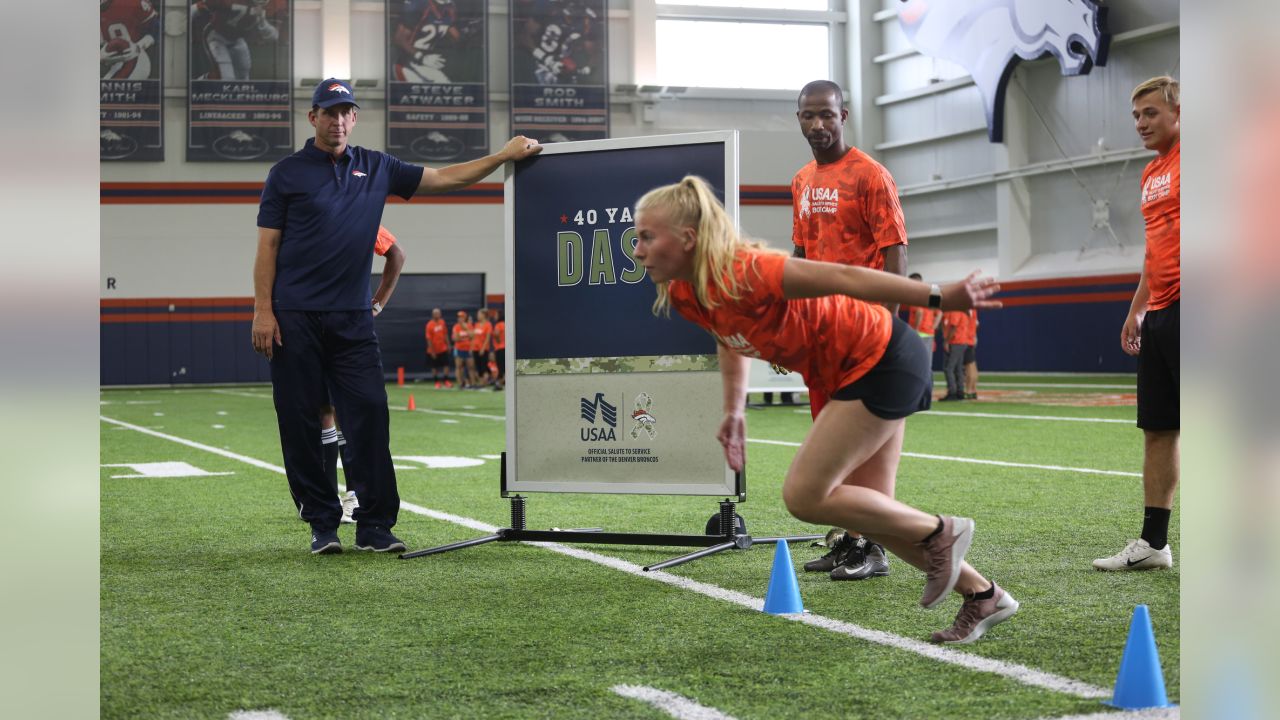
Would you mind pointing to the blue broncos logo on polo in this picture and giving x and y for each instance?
(988, 38)
(598, 407)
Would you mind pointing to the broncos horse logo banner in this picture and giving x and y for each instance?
(989, 37)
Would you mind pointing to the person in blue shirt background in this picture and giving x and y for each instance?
(317, 221)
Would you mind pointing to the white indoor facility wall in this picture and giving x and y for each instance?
(1048, 117)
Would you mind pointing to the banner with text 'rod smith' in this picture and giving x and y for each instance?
(437, 80)
(559, 69)
(240, 103)
(604, 396)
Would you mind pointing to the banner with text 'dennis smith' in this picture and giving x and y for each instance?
(559, 70)
(240, 103)
(437, 80)
(603, 395)
(131, 92)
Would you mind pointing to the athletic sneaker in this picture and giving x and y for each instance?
(437, 384)
(944, 554)
(1137, 555)
(978, 616)
(377, 539)
(971, 396)
(867, 560)
(325, 542)
(841, 545)
(349, 505)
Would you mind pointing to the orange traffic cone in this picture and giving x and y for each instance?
(411, 405)
(400, 376)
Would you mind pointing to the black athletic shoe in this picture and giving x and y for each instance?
(325, 542)
(950, 396)
(840, 543)
(866, 561)
(971, 396)
(377, 539)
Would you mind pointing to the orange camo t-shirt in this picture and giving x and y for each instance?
(461, 338)
(480, 335)
(966, 327)
(831, 341)
(500, 335)
(923, 320)
(1162, 211)
(437, 337)
(847, 211)
(384, 242)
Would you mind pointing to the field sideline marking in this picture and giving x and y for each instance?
(1013, 671)
(976, 461)
(1087, 386)
(1172, 713)
(786, 443)
(936, 413)
(673, 704)
(260, 396)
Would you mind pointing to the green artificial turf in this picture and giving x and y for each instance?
(212, 604)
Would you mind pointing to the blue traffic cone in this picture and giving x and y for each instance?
(783, 595)
(1140, 683)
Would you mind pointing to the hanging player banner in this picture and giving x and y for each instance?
(131, 93)
(437, 80)
(240, 104)
(602, 395)
(559, 70)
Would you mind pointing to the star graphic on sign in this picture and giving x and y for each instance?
(564, 219)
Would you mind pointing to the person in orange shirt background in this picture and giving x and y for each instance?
(331, 440)
(957, 338)
(462, 349)
(924, 321)
(971, 361)
(437, 335)
(481, 347)
(844, 209)
(1151, 330)
(825, 321)
(499, 350)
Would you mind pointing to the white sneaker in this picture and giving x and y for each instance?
(349, 505)
(1137, 555)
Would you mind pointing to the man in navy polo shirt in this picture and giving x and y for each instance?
(317, 222)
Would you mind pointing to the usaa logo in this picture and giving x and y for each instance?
(598, 410)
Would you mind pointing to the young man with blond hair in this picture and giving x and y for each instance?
(1150, 332)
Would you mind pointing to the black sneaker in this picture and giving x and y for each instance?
(867, 561)
(377, 539)
(971, 396)
(325, 542)
(841, 545)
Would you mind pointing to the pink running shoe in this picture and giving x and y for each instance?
(944, 554)
(978, 616)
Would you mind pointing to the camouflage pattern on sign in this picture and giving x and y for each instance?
(632, 364)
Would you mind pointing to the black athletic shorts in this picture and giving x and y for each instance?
(900, 384)
(970, 354)
(438, 361)
(1158, 370)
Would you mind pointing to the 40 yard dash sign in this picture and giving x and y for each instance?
(603, 396)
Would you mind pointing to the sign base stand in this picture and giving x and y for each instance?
(709, 544)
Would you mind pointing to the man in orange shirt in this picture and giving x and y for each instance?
(1151, 330)
(330, 436)
(480, 346)
(971, 361)
(957, 340)
(437, 334)
(844, 209)
(499, 350)
(763, 304)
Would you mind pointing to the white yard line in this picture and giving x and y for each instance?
(1172, 713)
(482, 416)
(257, 715)
(677, 706)
(1028, 417)
(976, 461)
(1013, 671)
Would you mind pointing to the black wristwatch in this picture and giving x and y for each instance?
(935, 296)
